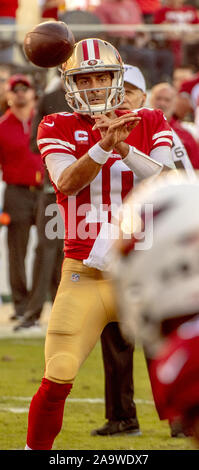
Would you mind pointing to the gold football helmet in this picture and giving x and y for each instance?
(93, 55)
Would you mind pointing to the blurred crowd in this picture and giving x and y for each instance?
(169, 62)
(148, 39)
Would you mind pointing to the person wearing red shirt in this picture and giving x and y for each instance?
(22, 172)
(122, 12)
(174, 12)
(148, 8)
(8, 8)
(8, 12)
(52, 8)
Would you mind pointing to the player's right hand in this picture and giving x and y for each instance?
(115, 131)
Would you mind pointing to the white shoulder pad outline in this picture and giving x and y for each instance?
(64, 113)
(143, 107)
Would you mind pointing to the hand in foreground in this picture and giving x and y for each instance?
(114, 131)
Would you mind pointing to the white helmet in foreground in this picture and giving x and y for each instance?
(158, 282)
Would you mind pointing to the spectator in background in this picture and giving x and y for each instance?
(189, 92)
(181, 74)
(190, 88)
(8, 12)
(148, 9)
(4, 76)
(163, 97)
(123, 12)
(183, 108)
(51, 8)
(49, 252)
(22, 170)
(175, 12)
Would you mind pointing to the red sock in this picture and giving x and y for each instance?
(46, 414)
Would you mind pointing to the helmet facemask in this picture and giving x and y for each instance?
(78, 99)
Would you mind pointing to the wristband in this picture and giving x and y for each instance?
(98, 154)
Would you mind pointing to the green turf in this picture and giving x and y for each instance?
(21, 366)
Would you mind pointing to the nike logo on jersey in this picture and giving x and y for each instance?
(50, 124)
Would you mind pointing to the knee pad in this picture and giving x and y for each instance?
(62, 368)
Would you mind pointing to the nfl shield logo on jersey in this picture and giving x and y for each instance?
(75, 277)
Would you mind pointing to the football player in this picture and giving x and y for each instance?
(91, 172)
(158, 294)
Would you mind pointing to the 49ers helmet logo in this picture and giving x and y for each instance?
(92, 62)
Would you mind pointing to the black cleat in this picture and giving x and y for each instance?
(15, 316)
(125, 426)
(27, 325)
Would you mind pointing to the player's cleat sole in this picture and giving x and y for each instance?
(113, 428)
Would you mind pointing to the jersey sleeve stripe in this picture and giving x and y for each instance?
(161, 134)
(164, 140)
(46, 148)
(54, 141)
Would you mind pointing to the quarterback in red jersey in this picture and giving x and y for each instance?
(92, 171)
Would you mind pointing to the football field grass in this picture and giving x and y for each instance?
(21, 369)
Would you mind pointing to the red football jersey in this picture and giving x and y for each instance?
(84, 213)
(175, 371)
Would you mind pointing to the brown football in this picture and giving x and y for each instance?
(49, 44)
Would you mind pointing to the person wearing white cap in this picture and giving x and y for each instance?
(135, 78)
(135, 88)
